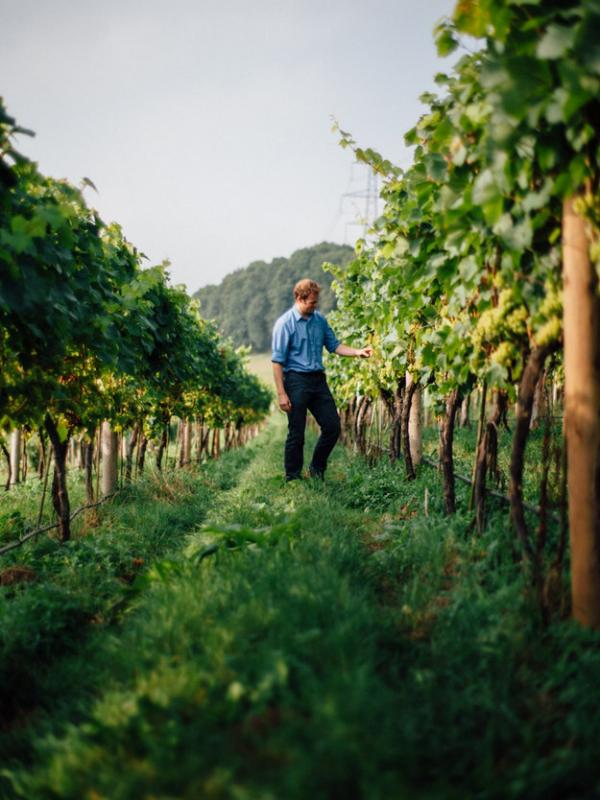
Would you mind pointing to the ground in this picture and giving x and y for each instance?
(225, 635)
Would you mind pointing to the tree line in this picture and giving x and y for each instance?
(248, 301)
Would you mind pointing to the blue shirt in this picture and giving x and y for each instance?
(298, 343)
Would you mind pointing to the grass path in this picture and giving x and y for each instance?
(313, 641)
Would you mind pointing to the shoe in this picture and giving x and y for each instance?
(316, 474)
(289, 478)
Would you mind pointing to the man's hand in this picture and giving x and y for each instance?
(346, 350)
(284, 402)
(282, 397)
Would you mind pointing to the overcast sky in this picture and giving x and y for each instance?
(207, 126)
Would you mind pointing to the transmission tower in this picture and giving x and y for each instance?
(364, 200)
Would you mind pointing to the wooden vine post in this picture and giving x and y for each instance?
(582, 414)
(131, 445)
(15, 456)
(109, 459)
(88, 454)
(185, 457)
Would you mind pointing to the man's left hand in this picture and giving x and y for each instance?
(365, 352)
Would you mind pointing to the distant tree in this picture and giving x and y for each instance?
(258, 321)
(248, 301)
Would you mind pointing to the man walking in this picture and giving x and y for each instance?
(299, 336)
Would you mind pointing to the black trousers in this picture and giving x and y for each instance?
(308, 391)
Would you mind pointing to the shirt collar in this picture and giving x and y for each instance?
(296, 313)
(298, 316)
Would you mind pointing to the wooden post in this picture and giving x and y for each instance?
(464, 421)
(415, 426)
(581, 317)
(186, 443)
(15, 456)
(110, 446)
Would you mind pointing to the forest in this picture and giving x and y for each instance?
(247, 301)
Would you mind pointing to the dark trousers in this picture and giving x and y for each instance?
(308, 391)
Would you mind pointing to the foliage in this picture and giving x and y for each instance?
(463, 279)
(86, 333)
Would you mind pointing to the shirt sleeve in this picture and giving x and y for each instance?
(281, 342)
(331, 340)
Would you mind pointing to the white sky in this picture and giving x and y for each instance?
(206, 126)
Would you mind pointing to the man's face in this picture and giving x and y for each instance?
(308, 305)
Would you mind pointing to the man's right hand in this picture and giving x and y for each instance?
(284, 402)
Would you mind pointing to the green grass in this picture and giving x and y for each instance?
(317, 641)
(20, 507)
(80, 589)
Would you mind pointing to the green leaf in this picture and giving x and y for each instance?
(478, 113)
(415, 247)
(519, 237)
(580, 136)
(497, 375)
(19, 240)
(485, 189)
(536, 200)
(411, 137)
(468, 269)
(578, 170)
(459, 154)
(564, 103)
(588, 42)
(546, 155)
(445, 41)
(503, 225)
(471, 18)
(492, 210)
(493, 75)
(52, 216)
(530, 81)
(63, 430)
(437, 168)
(556, 41)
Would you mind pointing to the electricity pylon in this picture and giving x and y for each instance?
(369, 195)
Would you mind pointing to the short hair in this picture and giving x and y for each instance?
(305, 288)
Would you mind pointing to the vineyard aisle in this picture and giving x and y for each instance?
(325, 641)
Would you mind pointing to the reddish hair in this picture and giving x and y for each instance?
(304, 288)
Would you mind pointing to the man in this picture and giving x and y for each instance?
(298, 339)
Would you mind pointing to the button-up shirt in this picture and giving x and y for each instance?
(298, 342)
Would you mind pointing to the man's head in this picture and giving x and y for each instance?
(306, 296)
